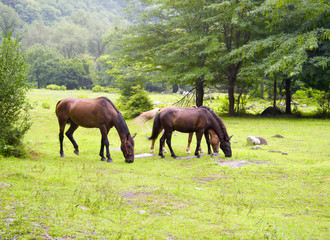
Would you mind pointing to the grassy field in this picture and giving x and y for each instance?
(277, 192)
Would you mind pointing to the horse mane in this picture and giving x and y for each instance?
(122, 122)
(219, 120)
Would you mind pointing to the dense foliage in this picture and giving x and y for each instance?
(228, 43)
(14, 116)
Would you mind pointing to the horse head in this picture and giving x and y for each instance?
(226, 147)
(127, 147)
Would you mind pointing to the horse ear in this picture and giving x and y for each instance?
(134, 135)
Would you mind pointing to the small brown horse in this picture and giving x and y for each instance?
(94, 113)
(187, 120)
(146, 116)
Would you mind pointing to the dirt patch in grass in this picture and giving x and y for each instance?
(238, 164)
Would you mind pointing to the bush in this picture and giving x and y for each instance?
(14, 107)
(56, 87)
(45, 105)
(134, 101)
(99, 88)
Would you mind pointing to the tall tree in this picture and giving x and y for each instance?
(70, 39)
(9, 20)
(42, 60)
(190, 42)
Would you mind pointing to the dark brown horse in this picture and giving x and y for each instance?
(94, 113)
(146, 116)
(198, 120)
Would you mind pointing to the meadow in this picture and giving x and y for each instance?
(279, 191)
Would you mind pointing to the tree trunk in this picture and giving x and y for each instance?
(199, 91)
(288, 96)
(175, 88)
(262, 86)
(275, 96)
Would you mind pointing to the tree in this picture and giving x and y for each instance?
(42, 60)
(9, 20)
(189, 42)
(73, 73)
(14, 106)
(70, 39)
(294, 29)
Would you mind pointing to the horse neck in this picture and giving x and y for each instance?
(223, 128)
(216, 127)
(121, 127)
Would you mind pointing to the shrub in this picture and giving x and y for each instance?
(14, 107)
(45, 105)
(54, 87)
(134, 101)
(98, 88)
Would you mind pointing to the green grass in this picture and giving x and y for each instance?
(276, 196)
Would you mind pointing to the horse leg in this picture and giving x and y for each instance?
(61, 137)
(161, 144)
(207, 138)
(169, 144)
(69, 134)
(189, 142)
(199, 136)
(105, 142)
(152, 147)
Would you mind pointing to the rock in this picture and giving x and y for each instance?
(277, 136)
(253, 140)
(262, 141)
(271, 111)
(304, 105)
(257, 140)
(156, 103)
(256, 147)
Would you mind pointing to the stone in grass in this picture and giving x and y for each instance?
(256, 147)
(277, 136)
(257, 140)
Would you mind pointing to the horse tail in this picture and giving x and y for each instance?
(156, 128)
(57, 105)
(146, 116)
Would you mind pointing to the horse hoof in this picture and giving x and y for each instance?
(62, 156)
(109, 161)
(198, 156)
(162, 156)
(103, 159)
(76, 152)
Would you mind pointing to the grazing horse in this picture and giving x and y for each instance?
(146, 116)
(187, 120)
(94, 113)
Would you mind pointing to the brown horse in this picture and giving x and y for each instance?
(94, 113)
(146, 116)
(187, 120)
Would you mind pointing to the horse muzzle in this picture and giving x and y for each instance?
(129, 160)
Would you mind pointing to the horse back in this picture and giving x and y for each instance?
(185, 119)
(88, 113)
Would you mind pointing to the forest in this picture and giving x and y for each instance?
(259, 48)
